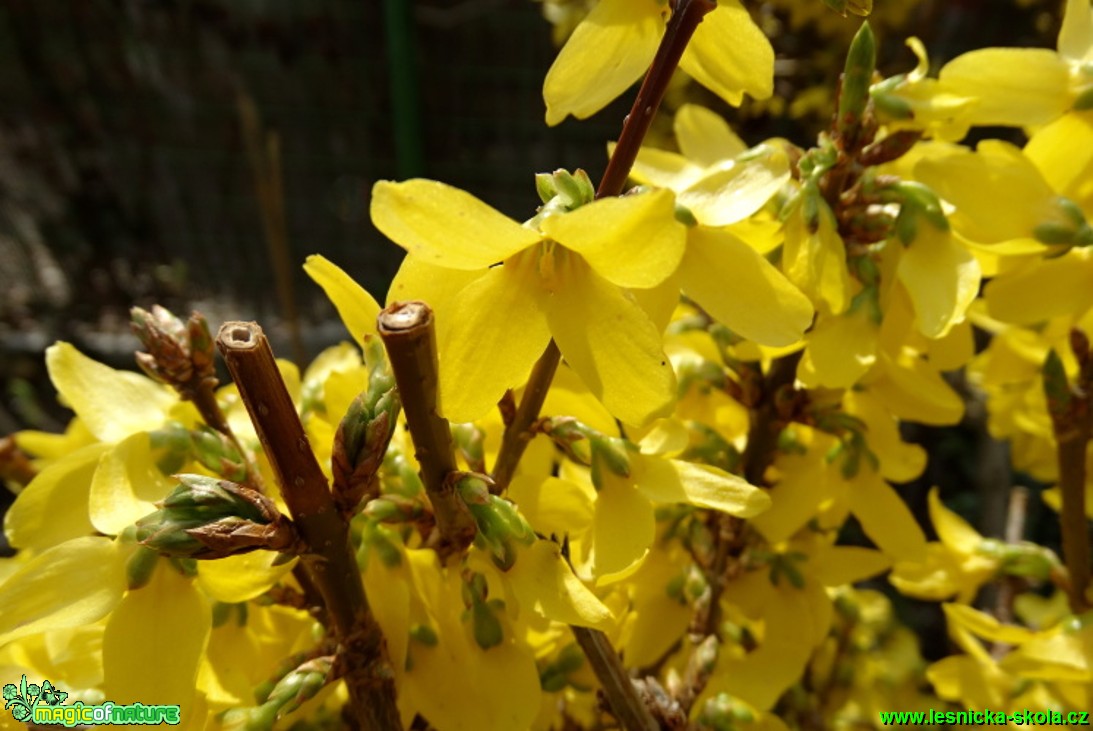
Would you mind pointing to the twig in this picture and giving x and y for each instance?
(685, 18)
(329, 559)
(1016, 514)
(1069, 406)
(684, 22)
(409, 334)
(518, 432)
(617, 686)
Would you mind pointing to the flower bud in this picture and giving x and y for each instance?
(208, 518)
(362, 440)
(861, 61)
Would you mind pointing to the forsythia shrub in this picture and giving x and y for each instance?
(560, 495)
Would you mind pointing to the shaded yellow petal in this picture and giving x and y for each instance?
(657, 619)
(985, 626)
(796, 497)
(609, 51)
(241, 578)
(438, 286)
(446, 226)
(52, 508)
(554, 505)
(942, 278)
(610, 342)
(1043, 289)
(388, 592)
(71, 584)
(355, 306)
(900, 461)
(126, 485)
(631, 241)
(544, 583)
(729, 55)
(885, 518)
(737, 286)
(816, 260)
(914, 391)
(623, 527)
(675, 481)
(1076, 34)
(1059, 656)
(730, 193)
(838, 565)
(1014, 86)
(704, 137)
(966, 680)
(478, 359)
(113, 404)
(166, 618)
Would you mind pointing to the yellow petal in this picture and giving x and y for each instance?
(113, 404)
(964, 679)
(166, 618)
(914, 391)
(936, 577)
(1063, 152)
(632, 241)
(985, 626)
(729, 55)
(355, 306)
(816, 260)
(1076, 35)
(554, 505)
(796, 497)
(954, 349)
(953, 530)
(126, 485)
(657, 619)
(241, 578)
(662, 169)
(623, 527)
(839, 565)
(1058, 656)
(1014, 86)
(478, 359)
(885, 518)
(438, 286)
(388, 592)
(942, 278)
(704, 137)
(841, 349)
(998, 193)
(730, 193)
(761, 305)
(52, 508)
(544, 583)
(445, 226)
(610, 342)
(71, 584)
(675, 481)
(609, 51)
(899, 461)
(1043, 289)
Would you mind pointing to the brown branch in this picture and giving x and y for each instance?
(621, 694)
(409, 334)
(518, 432)
(682, 25)
(328, 559)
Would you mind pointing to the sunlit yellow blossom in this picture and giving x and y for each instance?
(1028, 86)
(721, 184)
(615, 44)
(566, 281)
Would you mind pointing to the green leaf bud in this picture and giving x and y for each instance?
(861, 61)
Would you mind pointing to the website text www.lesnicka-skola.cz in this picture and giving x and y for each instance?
(985, 717)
